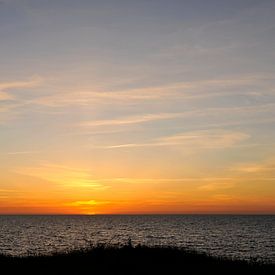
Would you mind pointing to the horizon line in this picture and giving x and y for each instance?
(143, 214)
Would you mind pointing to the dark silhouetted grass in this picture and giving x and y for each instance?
(130, 260)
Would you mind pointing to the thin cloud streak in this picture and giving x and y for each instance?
(189, 90)
(131, 119)
(267, 166)
(179, 180)
(63, 175)
(5, 96)
(270, 107)
(216, 186)
(205, 139)
(12, 102)
(23, 152)
(32, 82)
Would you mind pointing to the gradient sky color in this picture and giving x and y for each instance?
(146, 106)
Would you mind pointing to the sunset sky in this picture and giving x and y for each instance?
(126, 106)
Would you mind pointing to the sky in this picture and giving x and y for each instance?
(126, 107)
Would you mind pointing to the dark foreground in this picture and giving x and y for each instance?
(129, 260)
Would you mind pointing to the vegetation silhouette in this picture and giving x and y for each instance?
(128, 259)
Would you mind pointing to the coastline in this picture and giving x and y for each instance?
(104, 259)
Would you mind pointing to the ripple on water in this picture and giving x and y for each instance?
(232, 236)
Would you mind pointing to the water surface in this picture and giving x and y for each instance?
(243, 237)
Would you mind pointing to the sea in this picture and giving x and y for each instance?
(248, 237)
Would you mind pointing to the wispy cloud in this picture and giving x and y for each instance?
(152, 180)
(217, 111)
(222, 198)
(205, 183)
(131, 119)
(212, 186)
(90, 96)
(32, 82)
(188, 90)
(5, 96)
(211, 139)
(65, 176)
(23, 152)
(87, 97)
(207, 138)
(9, 110)
(267, 166)
(248, 115)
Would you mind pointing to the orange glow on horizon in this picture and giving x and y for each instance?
(74, 190)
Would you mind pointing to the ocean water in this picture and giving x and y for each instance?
(242, 237)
